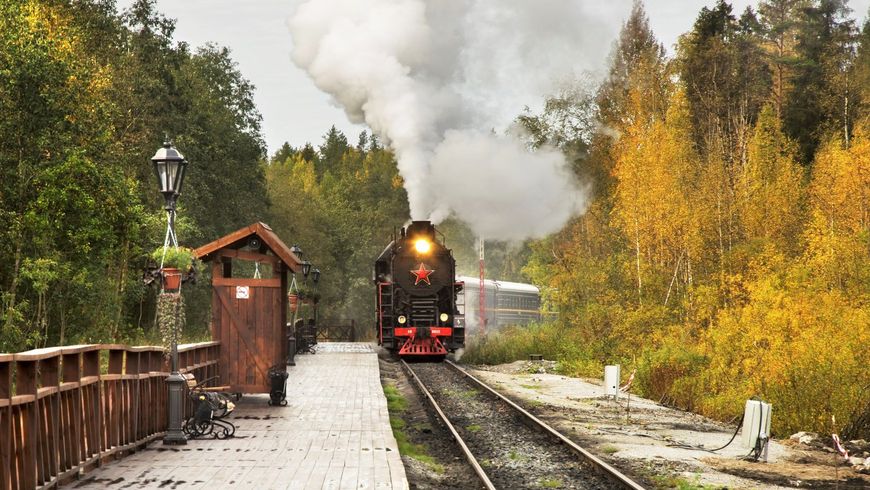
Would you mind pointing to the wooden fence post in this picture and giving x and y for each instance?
(92, 420)
(48, 404)
(71, 403)
(6, 421)
(112, 396)
(25, 432)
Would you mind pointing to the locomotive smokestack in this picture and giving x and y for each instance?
(421, 229)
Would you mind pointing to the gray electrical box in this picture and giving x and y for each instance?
(611, 381)
(756, 422)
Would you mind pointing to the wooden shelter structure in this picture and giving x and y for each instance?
(249, 314)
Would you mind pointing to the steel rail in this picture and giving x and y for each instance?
(468, 455)
(600, 466)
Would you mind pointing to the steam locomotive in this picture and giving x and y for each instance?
(415, 280)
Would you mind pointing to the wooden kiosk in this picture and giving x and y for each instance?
(249, 314)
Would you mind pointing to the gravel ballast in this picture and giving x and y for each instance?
(513, 454)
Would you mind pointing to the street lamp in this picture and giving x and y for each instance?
(306, 269)
(315, 275)
(296, 251)
(169, 167)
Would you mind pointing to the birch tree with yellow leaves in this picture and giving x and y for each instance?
(770, 186)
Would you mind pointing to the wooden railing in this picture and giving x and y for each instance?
(65, 410)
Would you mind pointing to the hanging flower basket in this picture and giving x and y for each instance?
(294, 301)
(171, 279)
(179, 265)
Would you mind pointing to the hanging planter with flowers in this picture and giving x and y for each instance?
(179, 265)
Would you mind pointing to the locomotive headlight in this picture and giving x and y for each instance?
(422, 246)
(443, 317)
(402, 319)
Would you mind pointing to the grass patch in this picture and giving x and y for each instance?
(473, 428)
(395, 401)
(574, 355)
(465, 394)
(549, 483)
(396, 423)
(531, 387)
(609, 449)
(680, 482)
(416, 451)
(513, 344)
(513, 455)
(397, 404)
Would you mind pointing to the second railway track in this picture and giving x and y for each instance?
(508, 447)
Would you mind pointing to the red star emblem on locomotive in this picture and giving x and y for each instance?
(422, 274)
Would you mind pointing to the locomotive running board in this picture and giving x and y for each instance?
(423, 347)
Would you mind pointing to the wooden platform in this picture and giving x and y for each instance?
(334, 434)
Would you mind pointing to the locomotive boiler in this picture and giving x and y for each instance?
(415, 283)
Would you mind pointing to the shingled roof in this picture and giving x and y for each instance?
(239, 239)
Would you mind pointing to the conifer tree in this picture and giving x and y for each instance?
(637, 46)
(780, 20)
(721, 65)
(823, 94)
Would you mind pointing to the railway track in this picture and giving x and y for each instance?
(508, 447)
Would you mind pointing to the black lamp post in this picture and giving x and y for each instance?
(315, 276)
(169, 167)
(306, 269)
(297, 251)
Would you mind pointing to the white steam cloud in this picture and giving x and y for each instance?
(441, 80)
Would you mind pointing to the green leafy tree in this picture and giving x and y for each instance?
(770, 187)
(341, 206)
(87, 95)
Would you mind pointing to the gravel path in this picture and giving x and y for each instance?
(514, 455)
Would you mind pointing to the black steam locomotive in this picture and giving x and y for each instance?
(415, 280)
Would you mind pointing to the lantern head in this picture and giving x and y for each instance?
(169, 168)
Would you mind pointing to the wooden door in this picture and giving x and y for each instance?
(247, 321)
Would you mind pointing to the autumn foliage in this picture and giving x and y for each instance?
(726, 254)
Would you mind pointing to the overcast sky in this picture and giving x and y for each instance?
(293, 108)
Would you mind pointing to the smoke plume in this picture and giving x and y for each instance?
(441, 81)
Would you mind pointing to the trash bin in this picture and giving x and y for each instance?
(291, 350)
(278, 381)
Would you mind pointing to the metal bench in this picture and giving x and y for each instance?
(306, 338)
(211, 405)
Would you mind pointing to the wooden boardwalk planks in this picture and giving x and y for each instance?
(334, 434)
